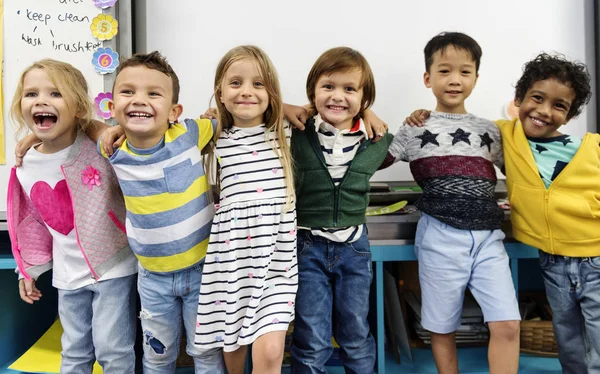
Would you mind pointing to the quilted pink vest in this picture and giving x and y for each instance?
(98, 211)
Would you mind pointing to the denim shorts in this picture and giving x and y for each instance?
(450, 260)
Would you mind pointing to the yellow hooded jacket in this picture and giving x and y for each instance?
(565, 218)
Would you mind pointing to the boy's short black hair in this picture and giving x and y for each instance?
(457, 39)
(571, 73)
(155, 61)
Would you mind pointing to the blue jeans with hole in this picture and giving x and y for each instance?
(167, 299)
(334, 280)
(573, 292)
(99, 324)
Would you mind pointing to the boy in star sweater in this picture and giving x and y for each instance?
(459, 241)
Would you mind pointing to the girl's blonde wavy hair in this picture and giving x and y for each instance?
(71, 84)
(273, 116)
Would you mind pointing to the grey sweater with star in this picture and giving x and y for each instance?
(452, 159)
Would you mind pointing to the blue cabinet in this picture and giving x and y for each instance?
(21, 324)
(471, 360)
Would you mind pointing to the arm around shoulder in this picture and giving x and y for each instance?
(206, 130)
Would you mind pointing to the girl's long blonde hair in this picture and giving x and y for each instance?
(273, 116)
(71, 84)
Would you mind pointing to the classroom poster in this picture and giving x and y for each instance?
(2, 154)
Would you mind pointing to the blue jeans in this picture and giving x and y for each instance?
(334, 280)
(99, 324)
(573, 292)
(166, 299)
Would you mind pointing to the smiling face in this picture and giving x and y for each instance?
(143, 105)
(545, 108)
(338, 97)
(452, 77)
(244, 94)
(47, 113)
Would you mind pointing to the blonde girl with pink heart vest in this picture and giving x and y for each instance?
(65, 212)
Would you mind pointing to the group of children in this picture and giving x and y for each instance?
(288, 239)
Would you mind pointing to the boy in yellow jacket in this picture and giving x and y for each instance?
(553, 184)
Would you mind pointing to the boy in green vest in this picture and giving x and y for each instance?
(334, 161)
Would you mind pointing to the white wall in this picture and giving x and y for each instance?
(391, 34)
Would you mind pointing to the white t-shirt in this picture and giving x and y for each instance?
(42, 180)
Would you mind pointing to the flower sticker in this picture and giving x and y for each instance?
(105, 60)
(104, 3)
(101, 102)
(104, 27)
(90, 176)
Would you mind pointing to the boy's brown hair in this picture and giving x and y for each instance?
(155, 61)
(342, 59)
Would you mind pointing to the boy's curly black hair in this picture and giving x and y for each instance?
(571, 73)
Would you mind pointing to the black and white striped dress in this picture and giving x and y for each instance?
(250, 275)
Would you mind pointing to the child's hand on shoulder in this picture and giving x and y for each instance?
(295, 115)
(28, 291)
(23, 146)
(417, 118)
(211, 113)
(112, 138)
(376, 128)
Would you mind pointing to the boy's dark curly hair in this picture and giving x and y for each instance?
(571, 73)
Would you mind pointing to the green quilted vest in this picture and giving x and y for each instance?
(319, 203)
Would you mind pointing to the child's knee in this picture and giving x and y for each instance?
(506, 330)
(160, 344)
(271, 354)
(158, 353)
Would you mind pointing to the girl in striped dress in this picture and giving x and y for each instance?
(250, 275)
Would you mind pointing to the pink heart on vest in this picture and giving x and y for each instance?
(54, 205)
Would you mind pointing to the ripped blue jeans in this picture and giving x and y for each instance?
(166, 299)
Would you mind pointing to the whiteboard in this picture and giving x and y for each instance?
(37, 29)
(391, 34)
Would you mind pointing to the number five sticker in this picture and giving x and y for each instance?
(105, 60)
(104, 27)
